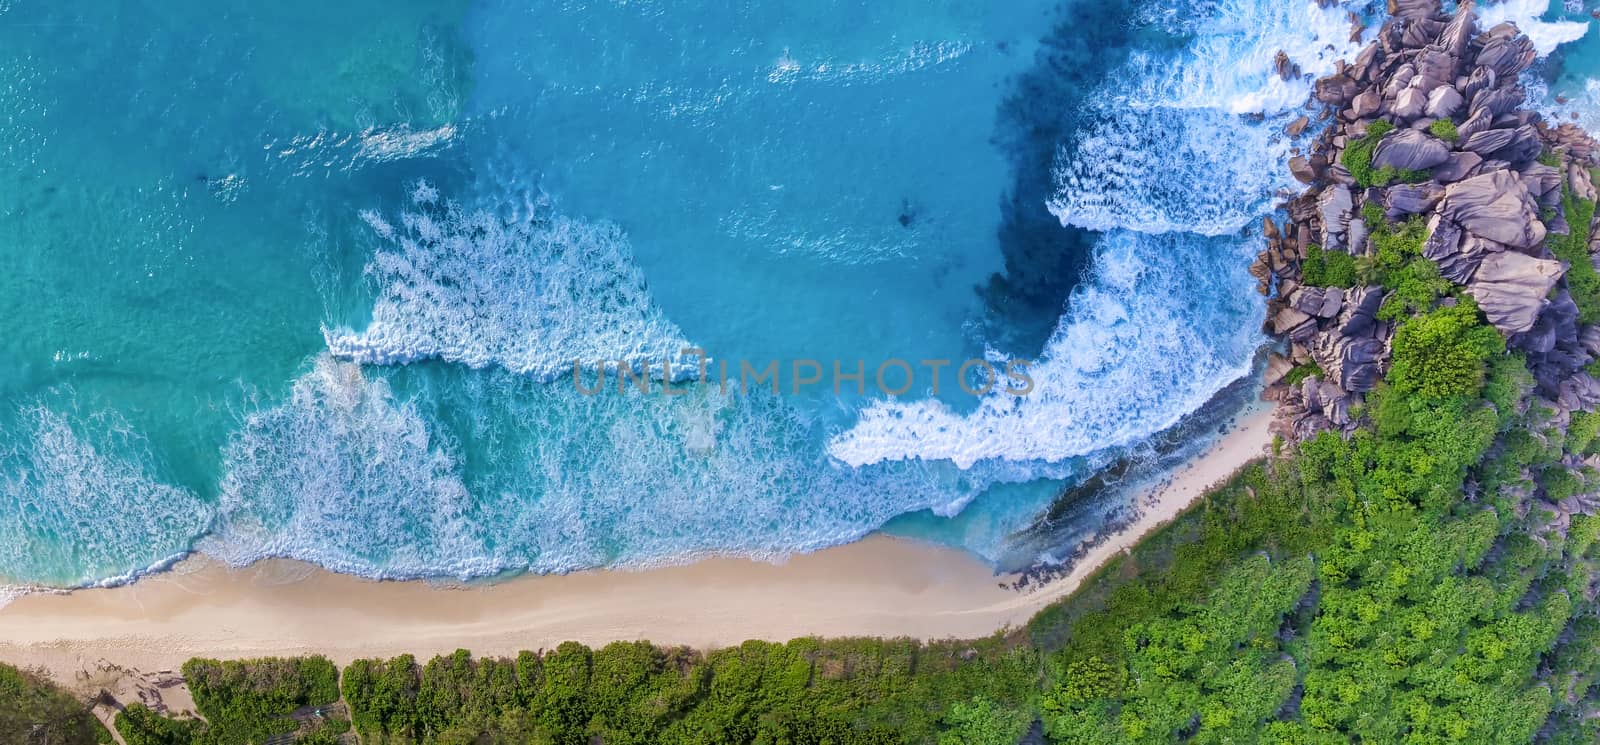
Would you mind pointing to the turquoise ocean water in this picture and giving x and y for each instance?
(308, 279)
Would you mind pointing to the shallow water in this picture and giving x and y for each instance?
(308, 280)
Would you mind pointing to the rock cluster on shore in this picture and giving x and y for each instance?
(1428, 126)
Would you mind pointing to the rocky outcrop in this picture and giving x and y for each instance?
(1511, 287)
(1410, 150)
(1495, 207)
(1478, 185)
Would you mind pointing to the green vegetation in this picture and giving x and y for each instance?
(1445, 129)
(1301, 372)
(247, 701)
(1357, 158)
(1442, 354)
(1397, 264)
(138, 725)
(809, 690)
(1328, 268)
(35, 711)
(1582, 279)
(1360, 574)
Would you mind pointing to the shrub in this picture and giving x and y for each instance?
(1328, 268)
(1445, 129)
(1442, 354)
(30, 703)
(1582, 279)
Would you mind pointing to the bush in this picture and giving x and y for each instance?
(138, 725)
(251, 700)
(1328, 268)
(30, 703)
(1582, 279)
(1357, 156)
(1445, 129)
(1442, 354)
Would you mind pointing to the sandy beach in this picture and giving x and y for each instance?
(879, 586)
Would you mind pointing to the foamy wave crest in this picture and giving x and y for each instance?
(1528, 14)
(1169, 147)
(1164, 322)
(354, 476)
(531, 292)
(76, 509)
(664, 481)
(346, 475)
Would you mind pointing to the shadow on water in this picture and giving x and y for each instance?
(1044, 259)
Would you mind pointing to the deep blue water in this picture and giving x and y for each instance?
(308, 279)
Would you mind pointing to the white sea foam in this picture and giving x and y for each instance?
(346, 475)
(531, 292)
(351, 475)
(77, 508)
(1169, 147)
(1162, 324)
(1527, 15)
(1582, 109)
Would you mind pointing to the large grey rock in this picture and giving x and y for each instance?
(1487, 142)
(1496, 206)
(1479, 122)
(1365, 104)
(1544, 183)
(1334, 206)
(1353, 362)
(1580, 182)
(1411, 199)
(1524, 147)
(1458, 33)
(1506, 51)
(1301, 169)
(1444, 102)
(1278, 366)
(1444, 248)
(1477, 81)
(1398, 80)
(1414, 8)
(1410, 103)
(1295, 324)
(1358, 317)
(1510, 288)
(1336, 90)
(1410, 150)
(1322, 302)
(1581, 392)
(1497, 101)
(1459, 166)
(1435, 67)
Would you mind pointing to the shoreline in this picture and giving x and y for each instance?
(879, 586)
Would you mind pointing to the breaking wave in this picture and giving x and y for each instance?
(347, 468)
(1528, 16)
(529, 290)
(465, 475)
(86, 504)
(1163, 322)
(1191, 141)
